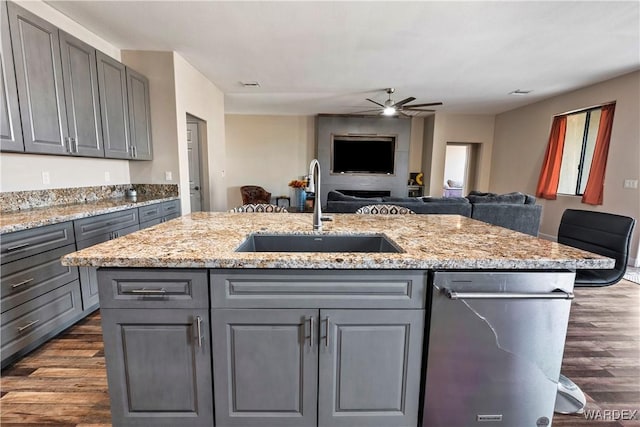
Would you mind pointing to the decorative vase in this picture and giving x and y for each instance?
(301, 198)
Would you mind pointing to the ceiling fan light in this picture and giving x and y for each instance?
(389, 111)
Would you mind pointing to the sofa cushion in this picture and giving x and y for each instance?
(402, 199)
(529, 199)
(480, 193)
(339, 197)
(512, 198)
(445, 200)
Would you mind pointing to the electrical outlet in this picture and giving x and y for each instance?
(168, 176)
(107, 176)
(46, 179)
(630, 183)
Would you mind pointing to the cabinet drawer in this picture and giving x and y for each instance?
(153, 288)
(147, 224)
(106, 236)
(25, 243)
(171, 207)
(318, 288)
(31, 277)
(87, 228)
(150, 212)
(34, 319)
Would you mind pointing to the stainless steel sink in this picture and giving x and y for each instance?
(319, 243)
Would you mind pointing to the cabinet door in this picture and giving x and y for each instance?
(10, 127)
(112, 85)
(369, 368)
(81, 96)
(36, 51)
(139, 115)
(158, 367)
(265, 366)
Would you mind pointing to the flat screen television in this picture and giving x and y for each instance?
(363, 154)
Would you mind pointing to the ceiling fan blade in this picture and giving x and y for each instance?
(404, 101)
(418, 109)
(430, 104)
(377, 103)
(366, 111)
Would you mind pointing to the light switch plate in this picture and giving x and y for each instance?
(107, 176)
(46, 179)
(168, 176)
(630, 183)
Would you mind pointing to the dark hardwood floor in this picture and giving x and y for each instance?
(63, 383)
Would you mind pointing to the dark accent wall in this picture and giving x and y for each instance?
(396, 184)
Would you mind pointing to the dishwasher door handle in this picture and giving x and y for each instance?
(556, 294)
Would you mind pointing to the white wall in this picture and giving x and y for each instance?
(24, 171)
(268, 151)
(199, 97)
(521, 137)
(158, 68)
(468, 128)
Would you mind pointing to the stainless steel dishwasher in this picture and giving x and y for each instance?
(495, 348)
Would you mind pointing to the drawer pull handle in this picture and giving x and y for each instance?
(15, 248)
(24, 282)
(28, 325)
(151, 212)
(199, 330)
(145, 291)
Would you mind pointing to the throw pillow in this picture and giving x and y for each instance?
(336, 196)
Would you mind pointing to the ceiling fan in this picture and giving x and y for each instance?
(391, 108)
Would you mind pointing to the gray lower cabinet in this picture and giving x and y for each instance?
(93, 230)
(156, 333)
(10, 125)
(112, 84)
(158, 366)
(364, 329)
(158, 213)
(39, 296)
(265, 366)
(370, 364)
(36, 52)
(139, 115)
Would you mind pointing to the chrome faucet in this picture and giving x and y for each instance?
(314, 187)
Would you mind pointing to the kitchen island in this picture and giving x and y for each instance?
(333, 338)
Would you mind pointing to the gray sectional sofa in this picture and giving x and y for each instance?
(516, 211)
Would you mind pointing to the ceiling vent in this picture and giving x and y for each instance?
(520, 92)
(250, 84)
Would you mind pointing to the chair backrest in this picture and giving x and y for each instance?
(384, 210)
(601, 233)
(254, 194)
(259, 208)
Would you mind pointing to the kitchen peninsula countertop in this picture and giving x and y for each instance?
(209, 240)
(11, 221)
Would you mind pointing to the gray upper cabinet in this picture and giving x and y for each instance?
(112, 84)
(265, 367)
(81, 95)
(139, 115)
(10, 126)
(36, 51)
(370, 362)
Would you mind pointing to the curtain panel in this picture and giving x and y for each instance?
(550, 173)
(594, 191)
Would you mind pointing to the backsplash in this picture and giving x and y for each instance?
(20, 200)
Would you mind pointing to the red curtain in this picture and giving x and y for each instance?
(593, 192)
(550, 173)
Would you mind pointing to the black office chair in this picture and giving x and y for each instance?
(604, 234)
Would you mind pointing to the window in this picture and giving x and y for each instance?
(579, 144)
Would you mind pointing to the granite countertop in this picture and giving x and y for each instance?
(209, 240)
(30, 218)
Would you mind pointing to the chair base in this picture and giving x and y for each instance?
(570, 399)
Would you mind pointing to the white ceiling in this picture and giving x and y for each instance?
(327, 57)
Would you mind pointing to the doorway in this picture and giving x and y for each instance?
(460, 168)
(195, 132)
